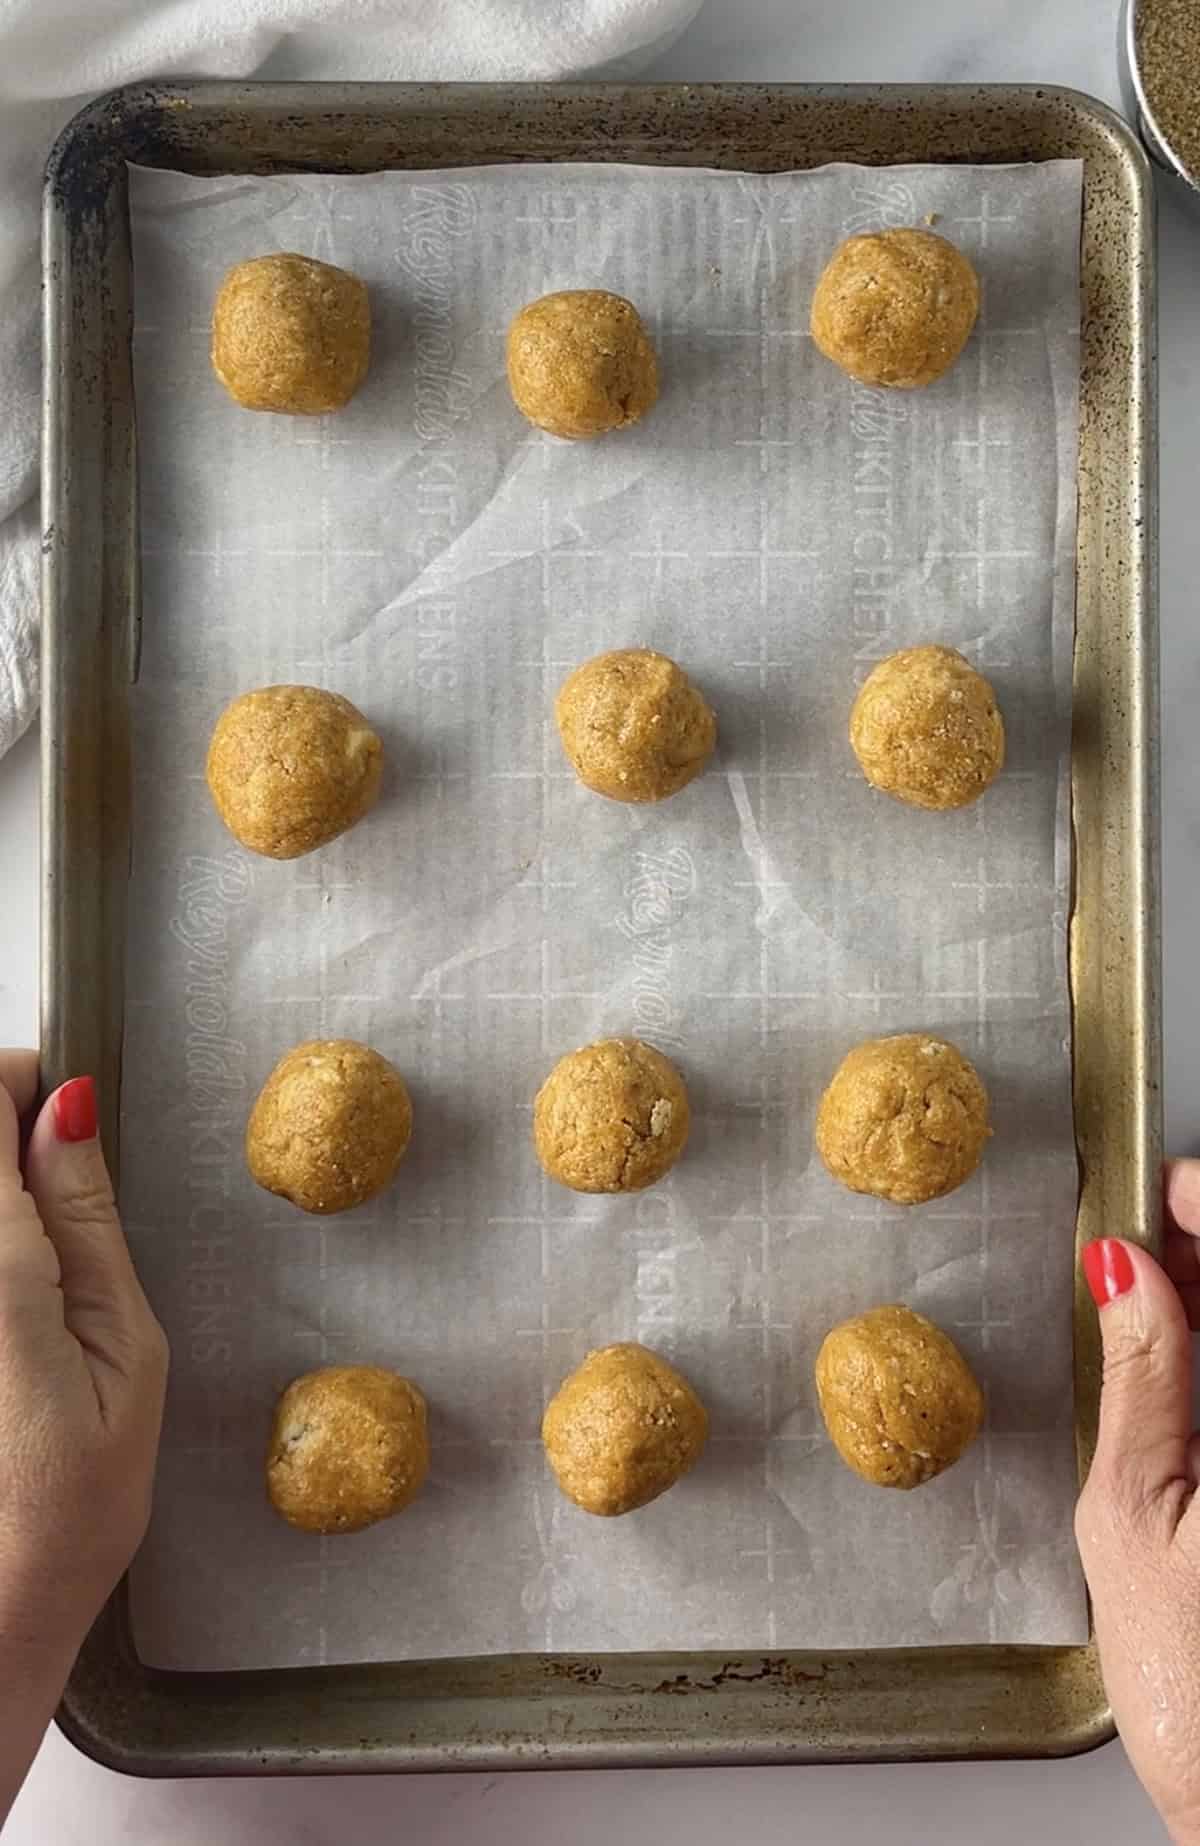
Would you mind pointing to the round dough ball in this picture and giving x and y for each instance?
(899, 1400)
(330, 1126)
(611, 1117)
(905, 1118)
(633, 725)
(349, 1446)
(895, 307)
(926, 728)
(622, 1429)
(291, 767)
(291, 334)
(580, 362)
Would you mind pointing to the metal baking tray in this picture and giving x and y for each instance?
(684, 1708)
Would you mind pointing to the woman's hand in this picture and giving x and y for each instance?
(1137, 1523)
(82, 1372)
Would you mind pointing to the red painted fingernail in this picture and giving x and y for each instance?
(1108, 1269)
(75, 1110)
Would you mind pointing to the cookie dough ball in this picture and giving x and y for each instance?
(633, 725)
(899, 1400)
(622, 1429)
(926, 728)
(905, 1118)
(291, 334)
(348, 1447)
(581, 362)
(330, 1126)
(895, 307)
(291, 767)
(612, 1117)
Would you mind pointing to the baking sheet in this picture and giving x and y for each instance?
(777, 529)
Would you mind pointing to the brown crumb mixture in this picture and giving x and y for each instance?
(1168, 50)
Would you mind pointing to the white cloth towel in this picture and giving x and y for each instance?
(54, 54)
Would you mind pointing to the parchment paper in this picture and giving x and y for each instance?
(777, 529)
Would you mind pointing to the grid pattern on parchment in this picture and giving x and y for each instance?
(778, 530)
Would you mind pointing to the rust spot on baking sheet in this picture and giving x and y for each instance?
(88, 158)
(580, 1672)
(771, 1667)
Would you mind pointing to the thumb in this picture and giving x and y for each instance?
(1146, 1395)
(66, 1176)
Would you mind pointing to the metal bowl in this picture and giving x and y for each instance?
(1179, 182)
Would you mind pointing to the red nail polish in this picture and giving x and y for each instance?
(1108, 1270)
(75, 1110)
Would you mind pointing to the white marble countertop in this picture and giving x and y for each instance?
(70, 1802)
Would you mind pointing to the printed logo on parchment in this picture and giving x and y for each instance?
(875, 418)
(436, 218)
(880, 205)
(656, 1252)
(658, 889)
(210, 891)
(656, 894)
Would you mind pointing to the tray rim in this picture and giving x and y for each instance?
(151, 1722)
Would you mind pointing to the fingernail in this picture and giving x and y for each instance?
(1108, 1269)
(75, 1110)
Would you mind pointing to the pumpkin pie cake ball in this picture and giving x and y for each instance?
(926, 728)
(622, 1429)
(611, 1117)
(895, 307)
(633, 726)
(291, 767)
(581, 363)
(900, 1402)
(330, 1126)
(349, 1446)
(291, 334)
(905, 1118)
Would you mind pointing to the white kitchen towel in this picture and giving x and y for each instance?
(54, 54)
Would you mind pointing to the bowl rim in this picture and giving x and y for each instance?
(1161, 149)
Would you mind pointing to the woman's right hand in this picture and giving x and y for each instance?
(1138, 1522)
(83, 1367)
